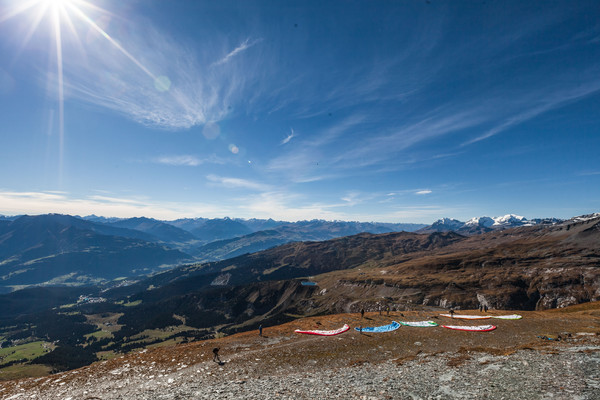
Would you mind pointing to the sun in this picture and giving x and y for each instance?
(61, 14)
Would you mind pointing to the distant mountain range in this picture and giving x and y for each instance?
(301, 231)
(66, 250)
(62, 249)
(479, 225)
(160, 231)
(222, 238)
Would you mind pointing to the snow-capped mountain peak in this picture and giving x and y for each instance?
(448, 223)
(480, 221)
(510, 220)
(586, 217)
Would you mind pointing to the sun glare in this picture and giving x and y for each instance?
(61, 13)
(55, 3)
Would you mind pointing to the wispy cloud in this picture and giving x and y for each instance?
(289, 207)
(188, 160)
(238, 183)
(153, 78)
(588, 173)
(425, 191)
(246, 44)
(308, 161)
(15, 203)
(352, 198)
(541, 101)
(268, 204)
(288, 137)
(407, 105)
(498, 109)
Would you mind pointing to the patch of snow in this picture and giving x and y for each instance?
(221, 280)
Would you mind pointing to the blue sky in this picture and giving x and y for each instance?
(403, 111)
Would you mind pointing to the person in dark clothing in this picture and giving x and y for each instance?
(216, 355)
(452, 312)
(260, 330)
(362, 312)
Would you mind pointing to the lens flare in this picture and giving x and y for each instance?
(162, 83)
(211, 130)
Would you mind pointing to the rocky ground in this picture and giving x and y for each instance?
(511, 362)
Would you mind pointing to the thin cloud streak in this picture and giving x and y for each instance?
(237, 183)
(187, 160)
(288, 138)
(246, 44)
(547, 100)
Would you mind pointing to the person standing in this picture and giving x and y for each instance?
(260, 330)
(216, 355)
(362, 312)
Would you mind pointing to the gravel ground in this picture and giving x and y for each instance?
(570, 372)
